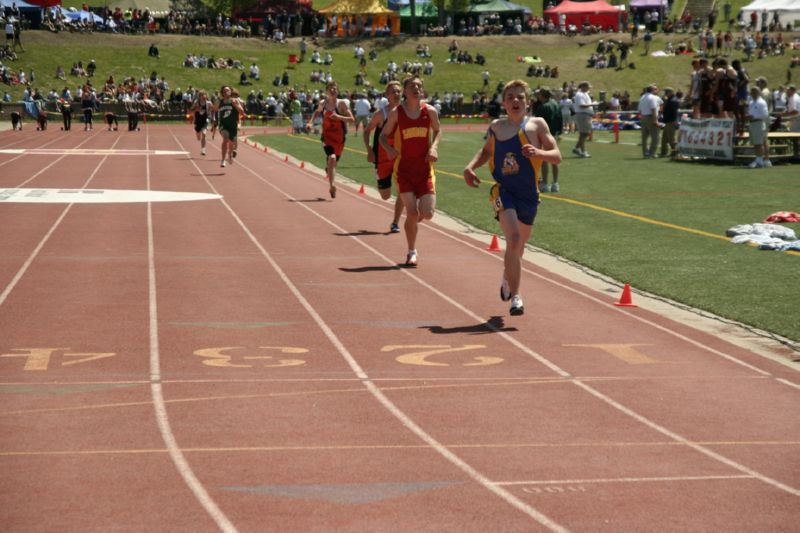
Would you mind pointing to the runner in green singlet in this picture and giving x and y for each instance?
(230, 109)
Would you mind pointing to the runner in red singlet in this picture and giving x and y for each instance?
(335, 115)
(414, 126)
(384, 167)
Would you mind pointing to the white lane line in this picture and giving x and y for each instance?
(162, 418)
(97, 196)
(619, 480)
(561, 372)
(86, 151)
(371, 386)
(19, 141)
(26, 265)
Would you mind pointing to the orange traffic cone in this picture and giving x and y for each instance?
(266, 150)
(302, 165)
(361, 190)
(286, 159)
(495, 245)
(625, 300)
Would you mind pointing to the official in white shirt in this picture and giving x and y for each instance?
(758, 115)
(584, 111)
(649, 108)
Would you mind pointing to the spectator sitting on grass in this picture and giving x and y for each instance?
(60, 73)
(153, 51)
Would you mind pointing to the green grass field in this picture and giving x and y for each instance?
(126, 55)
(632, 219)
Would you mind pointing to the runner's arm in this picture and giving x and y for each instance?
(480, 159)
(343, 112)
(373, 123)
(388, 129)
(548, 152)
(314, 116)
(433, 151)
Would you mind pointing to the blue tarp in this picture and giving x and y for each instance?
(73, 16)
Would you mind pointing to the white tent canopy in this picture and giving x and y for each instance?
(788, 10)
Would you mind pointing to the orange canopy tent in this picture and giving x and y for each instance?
(351, 17)
(597, 13)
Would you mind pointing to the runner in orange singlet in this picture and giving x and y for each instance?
(335, 115)
(384, 167)
(415, 128)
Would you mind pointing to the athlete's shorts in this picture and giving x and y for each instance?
(384, 183)
(200, 126)
(333, 149)
(229, 133)
(419, 186)
(526, 208)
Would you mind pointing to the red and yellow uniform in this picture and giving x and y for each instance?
(412, 139)
(333, 133)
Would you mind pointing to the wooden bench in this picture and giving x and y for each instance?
(781, 145)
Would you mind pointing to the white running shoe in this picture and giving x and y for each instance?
(585, 154)
(222, 163)
(202, 151)
(505, 292)
(767, 163)
(554, 187)
(544, 187)
(577, 152)
(516, 306)
(411, 258)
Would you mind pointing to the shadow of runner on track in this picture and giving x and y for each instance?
(495, 324)
(362, 233)
(371, 268)
(317, 199)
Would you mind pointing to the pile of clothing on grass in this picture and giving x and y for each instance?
(766, 235)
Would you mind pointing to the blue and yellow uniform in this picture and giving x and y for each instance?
(517, 176)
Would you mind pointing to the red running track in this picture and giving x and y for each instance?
(260, 362)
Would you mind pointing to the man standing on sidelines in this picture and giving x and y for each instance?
(549, 110)
(229, 111)
(415, 127)
(335, 116)
(584, 111)
(649, 107)
(516, 147)
(758, 115)
(670, 115)
(384, 167)
(362, 108)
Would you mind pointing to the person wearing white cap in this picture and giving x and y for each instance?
(584, 110)
(758, 114)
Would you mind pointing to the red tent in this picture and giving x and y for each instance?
(596, 12)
